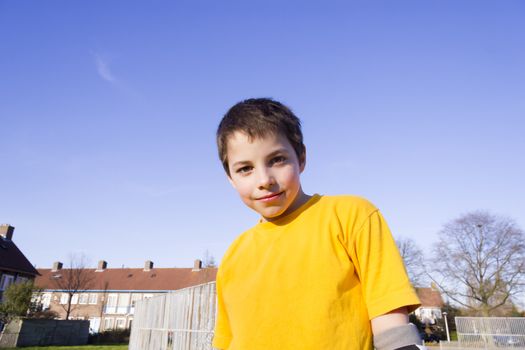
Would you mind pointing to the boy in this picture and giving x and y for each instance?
(317, 272)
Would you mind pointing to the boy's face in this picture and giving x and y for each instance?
(265, 172)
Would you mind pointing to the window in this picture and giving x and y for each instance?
(135, 297)
(94, 325)
(112, 300)
(93, 298)
(74, 299)
(64, 298)
(46, 301)
(6, 281)
(83, 298)
(123, 300)
(108, 323)
(123, 303)
(21, 279)
(111, 304)
(121, 323)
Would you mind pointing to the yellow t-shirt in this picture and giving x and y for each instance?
(311, 280)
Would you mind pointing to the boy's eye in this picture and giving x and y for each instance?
(244, 170)
(278, 160)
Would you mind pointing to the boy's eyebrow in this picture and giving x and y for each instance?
(241, 162)
(270, 155)
(277, 151)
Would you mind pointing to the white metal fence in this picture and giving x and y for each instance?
(180, 320)
(488, 333)
(452, 345)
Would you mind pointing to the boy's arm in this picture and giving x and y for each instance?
(398, 317)
(393, 332)
(388, 293)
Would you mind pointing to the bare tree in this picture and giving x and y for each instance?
(209, 260)
(104, 298)
(77, 278)
(413, 259)
(479, 261)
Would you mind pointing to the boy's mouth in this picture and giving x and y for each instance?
(269, 197)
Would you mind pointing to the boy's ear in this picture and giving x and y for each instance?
(302, 160)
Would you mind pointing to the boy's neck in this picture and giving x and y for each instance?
(299, 200)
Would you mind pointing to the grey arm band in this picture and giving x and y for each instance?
(398, 338)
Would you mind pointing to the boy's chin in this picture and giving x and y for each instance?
(272, 215)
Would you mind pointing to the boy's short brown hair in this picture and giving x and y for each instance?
(259, 117)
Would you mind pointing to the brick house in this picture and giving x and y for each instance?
(14, 266)
(431, 304)
(109, 301)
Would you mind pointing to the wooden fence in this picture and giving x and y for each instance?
(180, 320)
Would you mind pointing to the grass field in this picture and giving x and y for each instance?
(84, 347)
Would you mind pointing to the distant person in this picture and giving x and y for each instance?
(316, 272)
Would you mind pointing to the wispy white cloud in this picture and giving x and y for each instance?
(103, 68)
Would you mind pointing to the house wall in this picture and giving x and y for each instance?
(428, 315)
(111, 310)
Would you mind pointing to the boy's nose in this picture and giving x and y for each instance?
(266, 179)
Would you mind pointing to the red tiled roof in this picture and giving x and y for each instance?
(12, 259)
(136, 278)
(429, 297)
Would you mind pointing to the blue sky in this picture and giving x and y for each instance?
(108, 111)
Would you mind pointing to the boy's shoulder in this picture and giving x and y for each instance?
(345, 206)
(348, 200)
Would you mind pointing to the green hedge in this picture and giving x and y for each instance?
(120, 336)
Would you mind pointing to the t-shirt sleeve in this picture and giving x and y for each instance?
(223, 335)
(385, 283)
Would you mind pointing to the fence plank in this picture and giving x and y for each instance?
(179, 320)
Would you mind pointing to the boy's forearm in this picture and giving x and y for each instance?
(393, 332)
(394, 318)
(405, 337)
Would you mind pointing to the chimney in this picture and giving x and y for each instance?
(102, 265)
(148, 265)
(57, 265)
(197, 265)
(6, 231)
